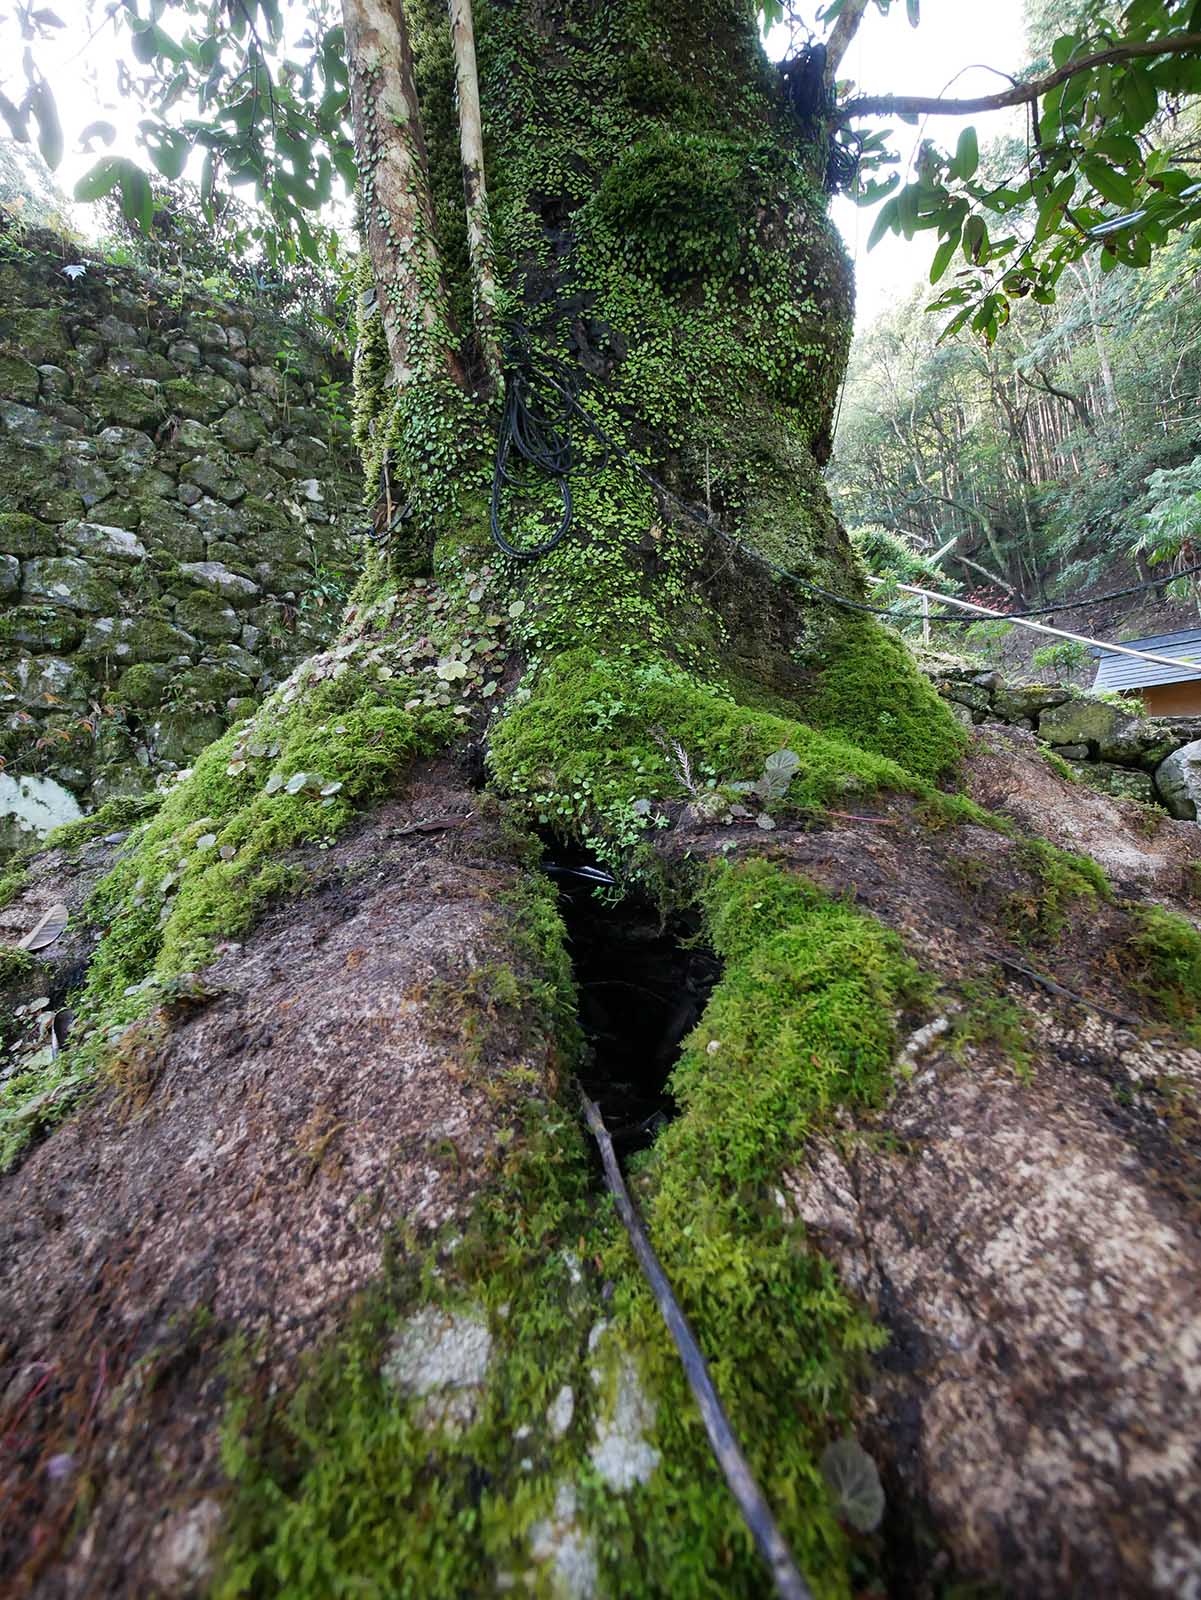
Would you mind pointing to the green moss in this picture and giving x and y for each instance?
(13, 878)
(1166, 952)
(15, 964)
(215, 853)
(1039, 913)
(870, 690)
(1059, 766)
(114, 816)
(601, 745)
(345, 1486)
(988, 1016)
(681, 204)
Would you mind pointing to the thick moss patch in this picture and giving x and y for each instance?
(1167, 955)
(601, 744)
(868, 689)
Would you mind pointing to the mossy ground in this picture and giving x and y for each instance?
(601, 746)
(346, 1487)
(1166, 951)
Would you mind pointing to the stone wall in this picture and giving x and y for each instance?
(179, 516)
(1109, 747)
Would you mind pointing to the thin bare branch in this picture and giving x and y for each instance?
(900, 105)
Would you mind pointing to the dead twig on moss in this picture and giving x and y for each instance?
(756, 1512)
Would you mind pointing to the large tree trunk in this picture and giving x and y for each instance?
(318, 1293)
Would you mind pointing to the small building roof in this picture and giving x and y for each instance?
(1128, 672)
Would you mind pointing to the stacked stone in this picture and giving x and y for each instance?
(172, 499)
(1157, 761)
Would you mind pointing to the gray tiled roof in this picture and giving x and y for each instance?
(1127, 672)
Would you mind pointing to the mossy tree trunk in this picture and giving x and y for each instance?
(362, 1318)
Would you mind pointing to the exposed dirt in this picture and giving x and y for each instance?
(1141, 850)
(263, 1149)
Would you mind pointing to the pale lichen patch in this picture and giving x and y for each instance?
(559, 1540)
(621, 1451)
(442, 1358)
(561, 1411)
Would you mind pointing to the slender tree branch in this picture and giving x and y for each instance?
(398, 210)
(1077, 405)
(845, 28)
(894, 105)
(475, 193)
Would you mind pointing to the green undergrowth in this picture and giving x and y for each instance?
(346, 1487)
(601, 745)
(1166, 952)
(14, 965)
(1037, 914)
(203, 867)
(989, 1016)
(13, 878)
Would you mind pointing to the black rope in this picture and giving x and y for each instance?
(540, 431)
(539, 407)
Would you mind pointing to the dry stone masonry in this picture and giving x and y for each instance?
(179, 509)
(1155, 760)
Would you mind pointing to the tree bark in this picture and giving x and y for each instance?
(315, 1290)
(408, 281)
(475, 190)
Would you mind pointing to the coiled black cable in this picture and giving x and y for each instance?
(540, 402)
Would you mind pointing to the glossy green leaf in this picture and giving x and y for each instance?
(967, 155)
(50, 132)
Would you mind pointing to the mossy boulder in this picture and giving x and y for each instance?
(10, 576)
(105, 541)
(134, 639)
(28, 330)
(129, 402)
(68, 581)
(242, 429)
(177, 736)
(215, 519)
(44, 682)
(1082, 721)
(216, 475)
(1124, 783)
(39, 629)
(206, 615)
(18, 379)
(1014, 702)
(165, 527)
(231, 586)
(203, 396)
(142, 685)
(23, 535)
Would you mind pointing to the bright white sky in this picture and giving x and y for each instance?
(887, 56)
(890, 57)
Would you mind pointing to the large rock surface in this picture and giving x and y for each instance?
(1178, 780)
